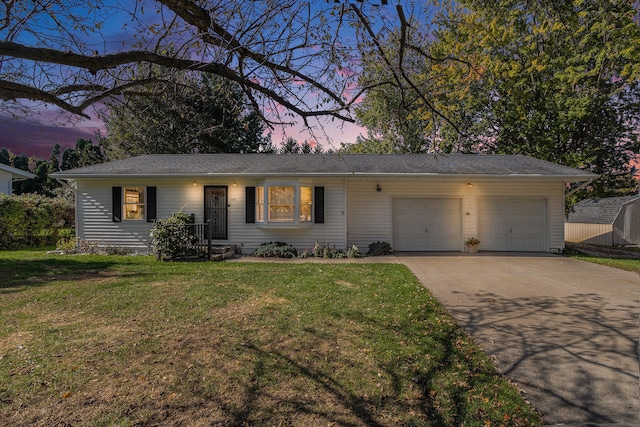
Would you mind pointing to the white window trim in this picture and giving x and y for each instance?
(296, 223)
(124, 203)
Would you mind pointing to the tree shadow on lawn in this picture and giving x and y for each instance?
(329, 401)
(280, 378)
(19, 274)
(576, 357)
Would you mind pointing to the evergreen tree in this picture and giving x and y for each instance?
(213, 117)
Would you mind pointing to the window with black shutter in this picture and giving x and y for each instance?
(318, 207)
(151, 204)
(250, 205)
(116, 204)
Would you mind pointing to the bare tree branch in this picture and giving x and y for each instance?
(97, 63)
(11, 91)
(286, 55)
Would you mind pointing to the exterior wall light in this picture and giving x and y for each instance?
(378, 188)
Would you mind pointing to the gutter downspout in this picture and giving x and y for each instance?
(64, 183)
(578, 188)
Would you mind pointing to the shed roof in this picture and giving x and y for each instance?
(265, 165)
(16, 173)
(599, 211)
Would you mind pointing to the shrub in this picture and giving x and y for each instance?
(325, 250)
(89, 246)
(276, 250)
(379, 248)
(118, 250)
(170, 238)
(32, 219)
(67, 245)
(353, 252)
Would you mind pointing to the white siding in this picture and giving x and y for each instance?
(366, 217)
(5, 182)
(595, 234)
(250, 236)
(95, 217)
(369, 217)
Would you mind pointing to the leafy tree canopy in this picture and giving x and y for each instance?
(556, 80)
(193, 114)
(83, 154)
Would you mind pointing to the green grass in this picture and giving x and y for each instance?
(112, 340)
(623, 264)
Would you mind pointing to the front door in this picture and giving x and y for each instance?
(215, 210)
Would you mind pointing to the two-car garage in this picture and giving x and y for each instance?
(503, 224)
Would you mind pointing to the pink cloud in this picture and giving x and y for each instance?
(37, 135)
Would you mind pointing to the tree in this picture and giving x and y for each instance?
(54, 158)
(369, 145)
(556, 80)
(5, 156)
(20, 161)
(84, 154)
(292, 146)
(41, 184)
(194, 114)
(288, 57)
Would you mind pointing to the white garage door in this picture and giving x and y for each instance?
(426, 225)
(512, 224)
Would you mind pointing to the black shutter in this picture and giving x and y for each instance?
(250, 205)
(116, 204)
(151, 204)
(318, 206)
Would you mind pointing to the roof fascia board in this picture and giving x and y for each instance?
(564, 178)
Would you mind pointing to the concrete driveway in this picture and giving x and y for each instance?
(565, 331)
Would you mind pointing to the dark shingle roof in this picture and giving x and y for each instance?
(161, 165)
(599, 211)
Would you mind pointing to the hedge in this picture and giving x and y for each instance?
(33, 220)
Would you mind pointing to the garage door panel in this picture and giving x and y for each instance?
(426, 224)
(512, 224)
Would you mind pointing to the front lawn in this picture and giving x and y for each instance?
(112, 340)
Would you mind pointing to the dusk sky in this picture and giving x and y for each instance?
(37, 135)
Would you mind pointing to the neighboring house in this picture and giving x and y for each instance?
(8, 174)
(416, 202)
(610, 221)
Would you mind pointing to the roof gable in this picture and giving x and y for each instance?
(599, 211)
(265, 165)
(16, 173)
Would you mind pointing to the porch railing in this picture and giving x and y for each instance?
(198, 240)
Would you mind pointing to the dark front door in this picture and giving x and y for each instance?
(215, 210)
